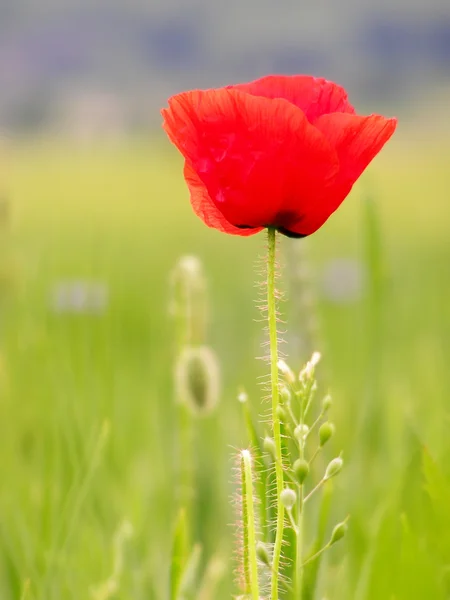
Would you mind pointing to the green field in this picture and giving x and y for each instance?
(88, 425)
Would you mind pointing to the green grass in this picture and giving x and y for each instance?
(88, 432)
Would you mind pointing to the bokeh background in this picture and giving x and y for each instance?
(94, 215)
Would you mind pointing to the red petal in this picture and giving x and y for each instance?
(357, 140)
(314, 95)
(261, 161)
(205, 208)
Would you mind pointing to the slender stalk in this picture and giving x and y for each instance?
(272, 323)
(300, 524)
(250, 542)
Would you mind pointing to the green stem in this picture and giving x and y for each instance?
(272, 323)
(250, 521)
(300, 511)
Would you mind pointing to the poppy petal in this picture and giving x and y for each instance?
(314, 95)
(260, 160)
(357, 140)
(205, 208)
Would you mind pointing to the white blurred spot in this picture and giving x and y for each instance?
(343, 280)
(88, 297)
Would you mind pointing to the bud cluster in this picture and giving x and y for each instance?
(306, 430)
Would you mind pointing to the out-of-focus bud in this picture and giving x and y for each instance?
(288, 498)
(338, 532)
(269, 446)
(242, 397)
(197, 377)
(308, 371)
(301, 431)
(285, 395)
(301, 470)
(263, 554)
(326, 431)
(281, 413)
(334, 467)
(188, 299)
(286, 372)
(326, 403)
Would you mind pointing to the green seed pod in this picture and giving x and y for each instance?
(301, 431)
(197, 379)
(263, 554)
(334, 467)
(301, 470)
(326, 431)
(269, 446)
(288, 498)
(338, 532)
(281, 414)
(326, 403)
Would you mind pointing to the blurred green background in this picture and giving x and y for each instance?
(88, 424)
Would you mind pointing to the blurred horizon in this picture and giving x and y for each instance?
(93, 68)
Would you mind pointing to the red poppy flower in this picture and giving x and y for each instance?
(279, 152)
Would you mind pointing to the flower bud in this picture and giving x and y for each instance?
(263, 554)
(326, 431)
(269, 446)
(285, 395)
(334, 467)
(338, 532)
(197, 379)
(189, 297)
(281, 414)
(286, 372)
(326, 403)
(301, 470)
(301, 431)
(308, 371)
(288, 498)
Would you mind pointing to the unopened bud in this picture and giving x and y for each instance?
(286, 371)
(263, 554)
(301, 470)
(334, 467)
(308, 371)
(281, 414)
(301, 431)
(338, 532)
(326, 403)
(197, 378)
(285, 395)
(326, 431)
(288, 498)
(269, 446)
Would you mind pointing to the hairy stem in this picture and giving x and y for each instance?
(272, 322)
(300, 517)
(249, 520)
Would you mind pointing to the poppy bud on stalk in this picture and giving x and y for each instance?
(188, 300)
(197, 377)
